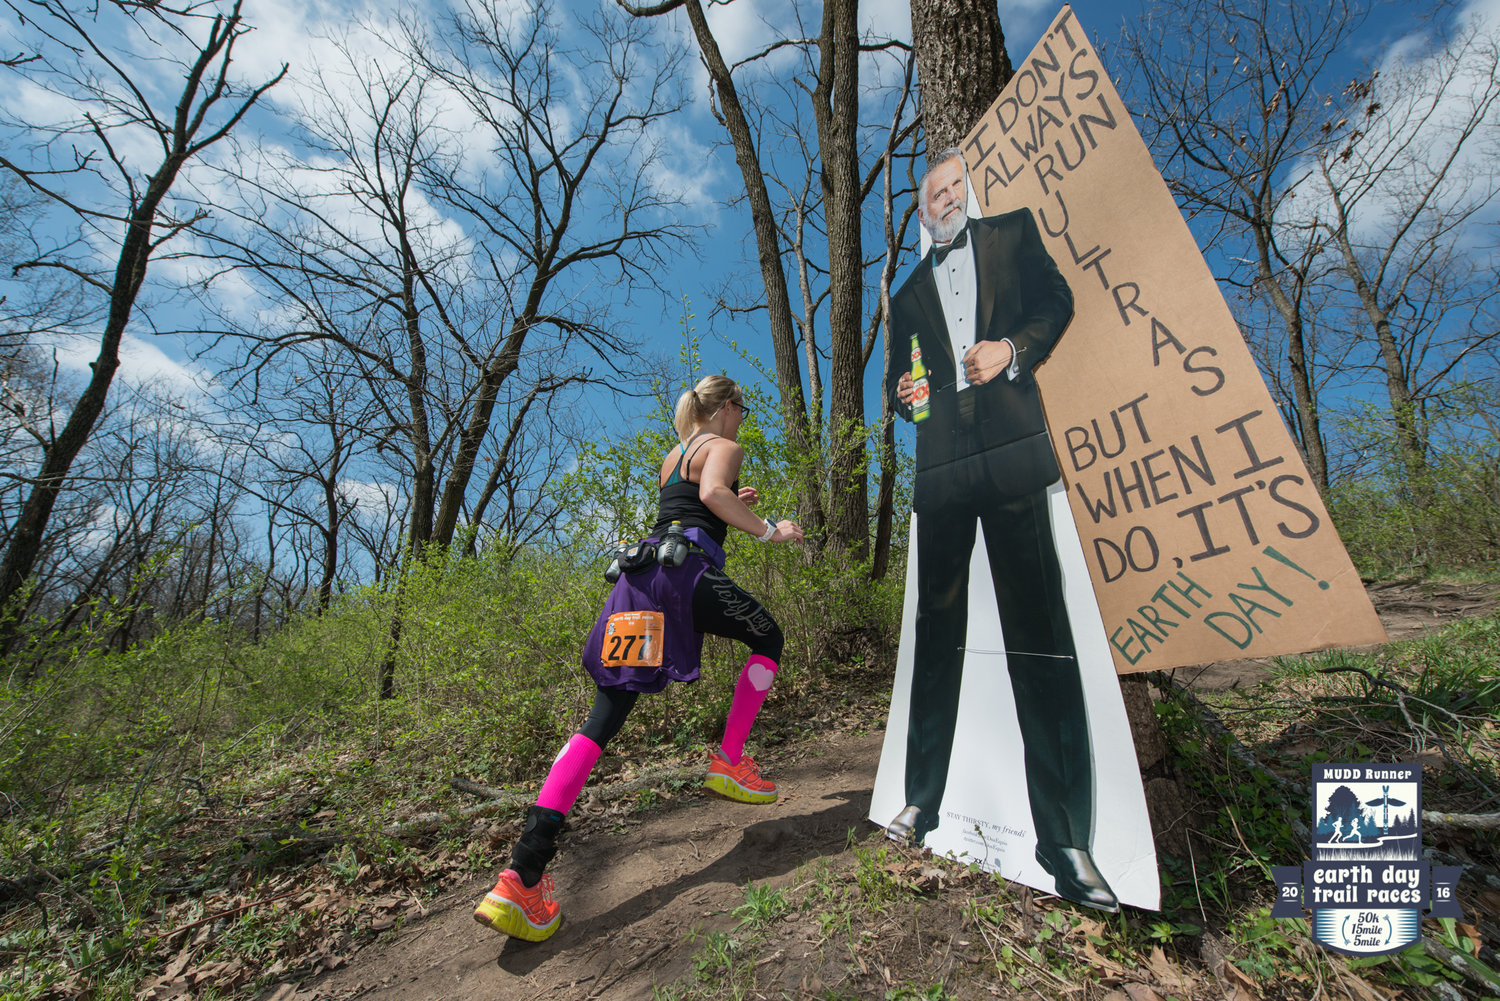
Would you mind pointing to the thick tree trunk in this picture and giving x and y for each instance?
(1166, 806)
(961, 65)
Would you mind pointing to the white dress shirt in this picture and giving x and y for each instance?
(959, 293)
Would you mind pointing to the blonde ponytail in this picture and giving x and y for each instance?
(698, 405)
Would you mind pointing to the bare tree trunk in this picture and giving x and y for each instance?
(836, 110)
(1304, 393)
(419, 432)
(330, 545)
(885, 498)
(895, 236)
(1411, 443)
(26, 537)
(393, 635)
(205, 86)
(768, 243)
(456, 486)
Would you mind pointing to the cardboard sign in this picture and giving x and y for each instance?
(1203, 533)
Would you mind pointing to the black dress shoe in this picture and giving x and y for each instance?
(1078, 879)
(911, 825)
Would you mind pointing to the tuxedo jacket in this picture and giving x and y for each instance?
(1002, 437)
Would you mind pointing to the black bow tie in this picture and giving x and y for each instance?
(957, 243)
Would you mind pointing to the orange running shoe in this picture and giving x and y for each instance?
(740, 782)
(512, 909)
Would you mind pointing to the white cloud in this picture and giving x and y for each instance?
(146, 80)
(882, 19)
(341, 57)
(681, 166)
(1427, 92)
(305, 38)
(142, 363)
(744, 29)
(42, 107)
(372, 497)
(1023, 22)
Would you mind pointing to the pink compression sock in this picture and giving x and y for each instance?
(569, 772)
(749, 693)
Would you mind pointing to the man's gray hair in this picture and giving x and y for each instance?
(943, 156)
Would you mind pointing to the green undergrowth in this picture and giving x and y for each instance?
(1396, 521)
(885, 921)
(205, 781)
(1432, 699)
(220, 816)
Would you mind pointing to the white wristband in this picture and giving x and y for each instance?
(770, 531)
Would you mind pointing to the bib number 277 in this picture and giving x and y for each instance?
(633, 639)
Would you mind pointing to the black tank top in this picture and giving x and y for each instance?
(680, 501)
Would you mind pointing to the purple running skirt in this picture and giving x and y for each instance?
(669, 592)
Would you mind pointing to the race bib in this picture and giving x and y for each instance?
(633, 639)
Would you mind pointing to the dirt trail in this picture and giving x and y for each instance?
(631, 896)
(633, 891)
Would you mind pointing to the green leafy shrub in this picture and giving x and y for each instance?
(1444, 516)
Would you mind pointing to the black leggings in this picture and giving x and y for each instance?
(720, 607)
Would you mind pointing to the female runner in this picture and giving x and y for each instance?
(651, 633)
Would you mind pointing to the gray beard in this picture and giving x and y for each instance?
(945, 229)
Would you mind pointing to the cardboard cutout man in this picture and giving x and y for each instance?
(982, 309)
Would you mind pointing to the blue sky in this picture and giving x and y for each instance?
(702, 170)
(694, 162)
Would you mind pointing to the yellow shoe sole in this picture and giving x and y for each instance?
(508, 919)
(730, 789)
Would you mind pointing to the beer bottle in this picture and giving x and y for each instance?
(919, 400)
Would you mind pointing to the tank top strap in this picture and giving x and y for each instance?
(678, 475)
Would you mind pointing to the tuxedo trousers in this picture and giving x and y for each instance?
(1039, 650)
